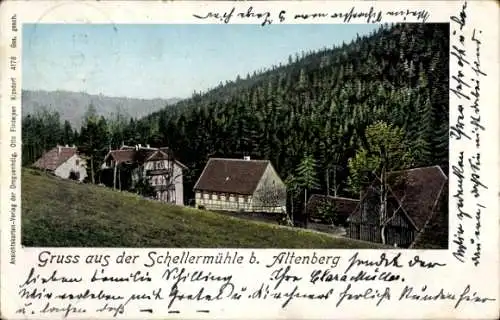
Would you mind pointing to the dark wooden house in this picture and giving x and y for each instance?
(341, 207)
(415, 197)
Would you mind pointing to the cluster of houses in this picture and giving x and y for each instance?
(417, 199)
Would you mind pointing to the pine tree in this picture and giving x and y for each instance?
(306, 176)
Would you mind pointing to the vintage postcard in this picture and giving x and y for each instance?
(253, 160)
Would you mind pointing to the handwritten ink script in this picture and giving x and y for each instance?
(353, 15)
(183, 282)
(467, 128)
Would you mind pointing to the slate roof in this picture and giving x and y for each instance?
(343, 206)
(231, 175)
(52, 159)
(418, 190)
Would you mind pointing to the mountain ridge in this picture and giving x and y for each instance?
(72, 105)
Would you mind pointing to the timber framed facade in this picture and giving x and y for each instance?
(240, 185)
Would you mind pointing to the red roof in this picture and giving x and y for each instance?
(130, 154)
(122, 155)
(231, 175)
(52, 159)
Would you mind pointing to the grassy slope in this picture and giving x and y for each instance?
(63, 213)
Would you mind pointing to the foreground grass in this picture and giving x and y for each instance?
(60, 213)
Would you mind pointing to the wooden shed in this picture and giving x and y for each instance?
(414, 197)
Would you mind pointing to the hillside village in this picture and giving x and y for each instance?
(350, 141)
(417, 197)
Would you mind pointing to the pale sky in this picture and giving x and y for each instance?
(162, 61)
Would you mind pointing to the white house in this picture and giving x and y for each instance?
(240, 185)
(64, 162)
(157, 165)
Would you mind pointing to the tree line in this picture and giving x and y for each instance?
(44, 130)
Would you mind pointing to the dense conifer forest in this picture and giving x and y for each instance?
(308, 116)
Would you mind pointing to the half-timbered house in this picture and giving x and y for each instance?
(240, 185)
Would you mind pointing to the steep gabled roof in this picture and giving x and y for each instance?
(231, 175)
(343, 206)
(52, 159)
(128, 154)
(121, 156)
(416, 190)
(163, 154)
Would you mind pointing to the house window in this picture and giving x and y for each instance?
(198, 195)
(248, 199)
(223, 197)
(231, 198)
(158, 165)
(205, 196)
(240, 199)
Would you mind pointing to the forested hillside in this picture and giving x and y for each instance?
(309, 116)
(320, 105)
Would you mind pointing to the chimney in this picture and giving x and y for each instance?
(66, 146)
(247, 158)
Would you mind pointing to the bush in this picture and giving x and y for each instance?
(327, 212)
(144, 188)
